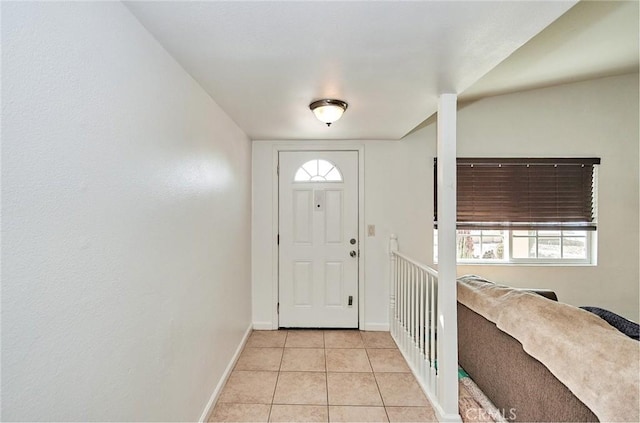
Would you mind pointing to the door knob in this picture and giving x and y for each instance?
(353, 253)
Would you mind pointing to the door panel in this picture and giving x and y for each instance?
(333, 284)
(302, 283)
(318, 216)
(334, 208)
(302, 219)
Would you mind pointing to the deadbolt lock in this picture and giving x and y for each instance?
(353, 241)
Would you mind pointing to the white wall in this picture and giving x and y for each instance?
(594, 118)
(126, 222)
(395, 202)
(597, 118)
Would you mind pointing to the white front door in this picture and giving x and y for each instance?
(318, 229)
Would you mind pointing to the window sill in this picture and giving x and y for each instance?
(525, 264)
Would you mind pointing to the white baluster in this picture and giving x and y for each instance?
(423, 276)
(413, 313)
(393, 248)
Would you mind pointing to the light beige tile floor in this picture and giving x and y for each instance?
(321, 376)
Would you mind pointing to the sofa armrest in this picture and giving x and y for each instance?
(547, 293)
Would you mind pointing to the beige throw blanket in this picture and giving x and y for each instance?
(599, 364)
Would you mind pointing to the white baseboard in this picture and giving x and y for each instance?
(380, 327)
(443, 417)
(263, 326)
(225, 376)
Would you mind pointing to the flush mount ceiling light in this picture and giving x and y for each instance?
(328, 110)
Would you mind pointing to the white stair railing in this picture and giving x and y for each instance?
(414, 325)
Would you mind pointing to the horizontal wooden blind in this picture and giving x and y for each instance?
(524, 193)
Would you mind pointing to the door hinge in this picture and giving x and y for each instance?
(278, 169)
(278, 308)
(278, 239)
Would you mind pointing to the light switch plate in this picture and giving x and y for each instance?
(371, 230)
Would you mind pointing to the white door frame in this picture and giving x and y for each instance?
(305, 146)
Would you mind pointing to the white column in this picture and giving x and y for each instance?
(447, 307)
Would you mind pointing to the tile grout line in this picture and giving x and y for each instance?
(277, 376)
(377, 386)
(324, 333)
(326, 374)
(384, 406)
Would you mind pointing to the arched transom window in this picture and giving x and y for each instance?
(318, 171)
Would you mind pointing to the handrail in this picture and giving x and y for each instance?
(416, 263)
(415, 323)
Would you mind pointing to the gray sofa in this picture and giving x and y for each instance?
(539, 360)
(521, 387)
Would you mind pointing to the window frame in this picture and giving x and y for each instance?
(551, 260)
(509, 260)
(324, 179)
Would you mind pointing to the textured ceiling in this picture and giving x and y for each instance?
(593, 39)
(264, 62)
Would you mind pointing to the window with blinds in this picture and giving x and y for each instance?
(524, 193)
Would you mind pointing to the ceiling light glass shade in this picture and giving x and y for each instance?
(327, 110)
